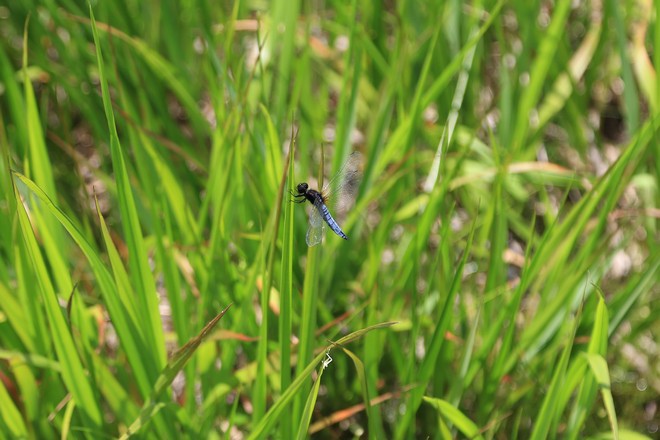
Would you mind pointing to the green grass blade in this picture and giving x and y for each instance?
(286, 295)
(263, 427)
(563, 86)
(129, 335)
(152, 405)
(549, 411)
(599, 369)
(375, 429)
(303, 427)
(73, 372)
(154, 354)
(260, 401)
(455, 417)
(613, 9)
(429, 363)
(12, 421)
(539, 72)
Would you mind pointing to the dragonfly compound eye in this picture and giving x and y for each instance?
(302, 188)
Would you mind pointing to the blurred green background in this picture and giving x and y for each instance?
(501, 274)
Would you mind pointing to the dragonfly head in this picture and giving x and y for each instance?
(302, 188)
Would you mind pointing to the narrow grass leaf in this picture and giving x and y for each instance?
(129, 336)
(308, 409)
(274, 221)
(152, 405)
(28, 385)
(39, 166)
(154, 350)
(286, 293)
(429, 363)
(11, 416)
(455, 417)
(587, 393)
(73, 373)
(539, 72)
(600, 371)
(630, 98)
(264, 426)
(362, 377)
(563, 86)
(549, 409)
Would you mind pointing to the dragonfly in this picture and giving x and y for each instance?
(341, 188)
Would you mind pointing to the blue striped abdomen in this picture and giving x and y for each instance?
(325, 213)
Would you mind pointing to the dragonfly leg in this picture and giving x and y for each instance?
(297, 198)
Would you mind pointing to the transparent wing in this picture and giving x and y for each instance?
(341, 190)
(316, 227)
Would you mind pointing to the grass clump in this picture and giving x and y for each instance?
(502, 262)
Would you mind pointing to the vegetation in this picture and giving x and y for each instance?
(500, 279)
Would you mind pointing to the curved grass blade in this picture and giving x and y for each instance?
(272, 416)
(129, 334)
(599, 368)
(429, 363)
(539, 72)
(152, 405)
(550, 407)
(154, 350)
(455, 417)
(73, 372)
(11, 416)
(306, 417)
(286, 287)
(362, 376)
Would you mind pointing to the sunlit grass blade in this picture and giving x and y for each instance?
(160, 67)
(286, 293)
(38, 157)
(308, 320)
(271, 236)
(12, 423)
(455, 417)
(374, 424)
(429, 363)
(564, 84)
(550, 410)
(303, 426)
(73, 372)
(17, 317)
(27, 383)
(588, 387)
(152, 405)
(458, 386)
(154, 349)
(265, 424)
(129, 335)
(601, 373)
(39, 167)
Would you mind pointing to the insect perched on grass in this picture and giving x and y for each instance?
(341, 189)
